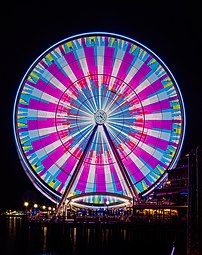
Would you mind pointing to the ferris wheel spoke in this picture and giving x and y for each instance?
(76, 171)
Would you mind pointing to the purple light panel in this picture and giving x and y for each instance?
(103, 80)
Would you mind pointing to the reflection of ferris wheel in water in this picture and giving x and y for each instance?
(98, 117)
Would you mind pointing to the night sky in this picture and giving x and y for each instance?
(171, 30)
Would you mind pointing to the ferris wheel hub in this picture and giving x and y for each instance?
(100, 117)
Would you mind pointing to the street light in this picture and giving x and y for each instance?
(49, 210)
(107, 203)
(35, 209)
(26, 205)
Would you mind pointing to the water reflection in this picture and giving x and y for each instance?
(19, 237)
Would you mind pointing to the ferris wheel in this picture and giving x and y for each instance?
(98, 117)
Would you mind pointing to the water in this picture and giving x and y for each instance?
(19, 237)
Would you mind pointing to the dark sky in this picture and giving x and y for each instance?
(171, 30)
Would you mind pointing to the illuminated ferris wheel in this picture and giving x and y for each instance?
(98, 117)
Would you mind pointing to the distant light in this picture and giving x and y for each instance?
(184, 193)
(26, 204)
